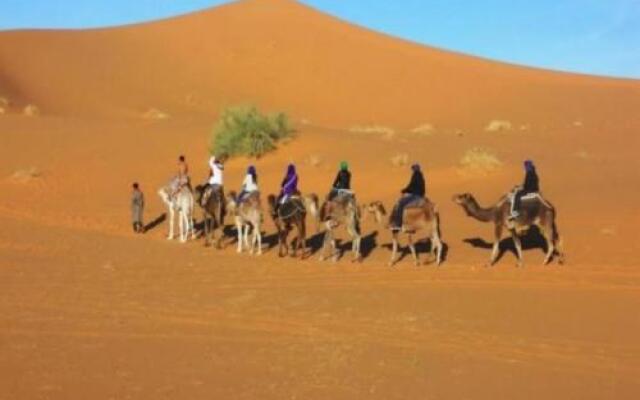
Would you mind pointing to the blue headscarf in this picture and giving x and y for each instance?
(528, 166)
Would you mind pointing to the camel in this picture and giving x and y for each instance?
(285, 217)
(535, 211)
(182, 203)
(213, 213)
(247, 215)
(414, 218)
(342, 210)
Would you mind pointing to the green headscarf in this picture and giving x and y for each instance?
(344, 165)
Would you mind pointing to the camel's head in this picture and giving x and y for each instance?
(312, 205)
(164, 195)
(232, 203)
(377, 209)
(462, 199)
(199, 192)
(272, 200)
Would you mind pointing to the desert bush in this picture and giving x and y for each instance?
(154, 113)
(480, 159)
(245, 131)
(424, 129)
(26, 175)
(498, 126)
(400, 159)
(31, 110)
(314, 160)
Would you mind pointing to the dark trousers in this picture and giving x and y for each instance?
(517, 199)
(404, 201)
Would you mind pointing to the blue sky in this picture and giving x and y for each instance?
(591, 36)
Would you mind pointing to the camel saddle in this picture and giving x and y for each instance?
(210, 191)
(417, 203)
(293, 205)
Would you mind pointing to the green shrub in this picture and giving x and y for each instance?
(245, 131)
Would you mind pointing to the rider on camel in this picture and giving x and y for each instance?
(342, 183)
(415, 190)
(249, 185)
(530, 185)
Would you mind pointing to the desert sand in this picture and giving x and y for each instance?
(88, 310)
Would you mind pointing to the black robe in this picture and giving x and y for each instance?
(416, 186)
(343, 180)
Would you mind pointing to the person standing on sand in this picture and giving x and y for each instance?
(415, 190)
(137, 207)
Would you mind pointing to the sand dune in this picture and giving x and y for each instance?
(91, 311)
(328, 71)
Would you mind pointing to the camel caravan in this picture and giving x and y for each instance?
(412, 216)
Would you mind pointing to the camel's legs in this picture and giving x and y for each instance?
(192, 226)
(217, 225)
(246, 235)
(412, 247)
(559, 250)
(284, 246)
(436, 243)
(207, 230)
(302, 239)
(326, 240)
(547, 233)
(496, 244)
(257, 238)
(181, 225)
(171, 216)
(332, 241)
(355, 242)
(394, 251)
(518, 244)
(240, 228)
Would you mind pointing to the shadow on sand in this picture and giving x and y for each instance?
(533, 239)
(157, 221)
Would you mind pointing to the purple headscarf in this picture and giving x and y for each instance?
(290, 183)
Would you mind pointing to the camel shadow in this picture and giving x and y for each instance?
(533, 239)
(269, 241)
(368, 244)
(157, 221)
(315, 242)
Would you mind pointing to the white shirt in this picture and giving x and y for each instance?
(248, 185)
(216, 169)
